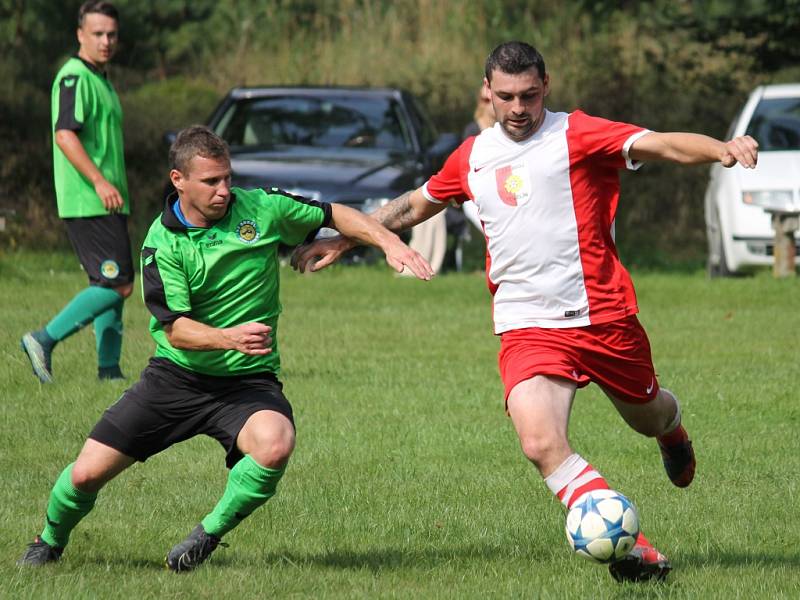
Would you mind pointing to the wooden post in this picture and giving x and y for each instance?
(784, 224)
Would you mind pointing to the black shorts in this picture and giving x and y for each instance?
(170, 404)
(103, 247)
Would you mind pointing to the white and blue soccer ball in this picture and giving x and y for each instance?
(602, 526)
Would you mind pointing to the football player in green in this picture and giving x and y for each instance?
(92, 195)
(210, 278)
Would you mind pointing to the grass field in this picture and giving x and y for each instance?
(407, 481)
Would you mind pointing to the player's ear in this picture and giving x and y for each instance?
(546, 82)
(176, 177)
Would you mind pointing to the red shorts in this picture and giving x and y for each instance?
(615, 355)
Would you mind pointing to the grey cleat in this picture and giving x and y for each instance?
(39, 357)
(192, 551)
(39, 553)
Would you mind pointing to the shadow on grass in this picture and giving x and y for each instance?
(727, 559)
(379, 560)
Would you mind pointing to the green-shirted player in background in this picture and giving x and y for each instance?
(210, 279)
(92, 195)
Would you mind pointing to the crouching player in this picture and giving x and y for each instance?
(210, 279)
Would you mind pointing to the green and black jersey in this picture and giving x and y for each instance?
(225, 275)
(84, 101)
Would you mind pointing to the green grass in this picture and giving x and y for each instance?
(407, 481)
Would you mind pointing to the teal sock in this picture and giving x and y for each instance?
(249, 486)
(67, 506)
(108, 336)
(82, 310)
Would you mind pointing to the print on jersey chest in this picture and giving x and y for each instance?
(513, 184)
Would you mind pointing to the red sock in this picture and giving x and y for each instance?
(573, 478)
(674, 437)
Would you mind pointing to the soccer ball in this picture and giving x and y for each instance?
(602, 526)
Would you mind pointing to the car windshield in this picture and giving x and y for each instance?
(333, 122)
(776, 124)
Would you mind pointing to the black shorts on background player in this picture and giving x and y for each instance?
(103, 248)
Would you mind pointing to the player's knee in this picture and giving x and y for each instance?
(87, 478)
(273, 450)
(539, 449)
(124, 290)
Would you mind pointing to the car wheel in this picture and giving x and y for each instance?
(716, 248)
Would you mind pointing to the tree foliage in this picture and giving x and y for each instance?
(666, 64)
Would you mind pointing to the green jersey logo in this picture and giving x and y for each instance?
(247, 231)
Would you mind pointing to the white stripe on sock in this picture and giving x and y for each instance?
(573, 486)
(566, 472)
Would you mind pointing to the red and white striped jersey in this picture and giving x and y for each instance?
(547, 206)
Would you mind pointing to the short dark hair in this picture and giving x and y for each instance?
(196, 140)
(97, 6)
(514, 58)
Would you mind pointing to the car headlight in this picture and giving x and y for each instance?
(777, 200)
(370, 205)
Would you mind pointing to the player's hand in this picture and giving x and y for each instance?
(249, 338)
(109, 196)
(742, 150)
(399, 256)
(320, 253)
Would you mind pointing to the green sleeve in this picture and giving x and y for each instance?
(73, 102)
(165, 288)
(298, 218)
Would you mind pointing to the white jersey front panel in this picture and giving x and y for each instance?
(547, 205)
(522, 193)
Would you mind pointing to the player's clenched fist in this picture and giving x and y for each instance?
(250, 338)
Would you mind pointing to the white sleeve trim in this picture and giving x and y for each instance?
(428, 196)
(633, 165)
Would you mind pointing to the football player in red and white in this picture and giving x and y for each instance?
(546, 187)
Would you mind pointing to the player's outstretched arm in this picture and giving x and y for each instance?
(249, 338)
(362, 228)
(694, 148)
(401, 213)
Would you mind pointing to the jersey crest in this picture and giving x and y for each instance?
(513, 184)
(247, 231)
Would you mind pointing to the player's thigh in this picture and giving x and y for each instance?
(255, 418)
(97, 464)
(539, 408)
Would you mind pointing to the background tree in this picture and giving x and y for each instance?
(668, 65)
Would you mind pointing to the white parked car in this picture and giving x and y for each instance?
(740, 234)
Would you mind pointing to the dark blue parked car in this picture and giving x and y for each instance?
(356, 146)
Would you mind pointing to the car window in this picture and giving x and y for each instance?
(422, 123)
(334, 122)
(776, 124)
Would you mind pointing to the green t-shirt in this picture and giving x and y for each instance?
(224, 275)
(85, 102)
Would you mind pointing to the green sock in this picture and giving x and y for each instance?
(108, 336)
(82, 310)
(249, 486)
(67, 506)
